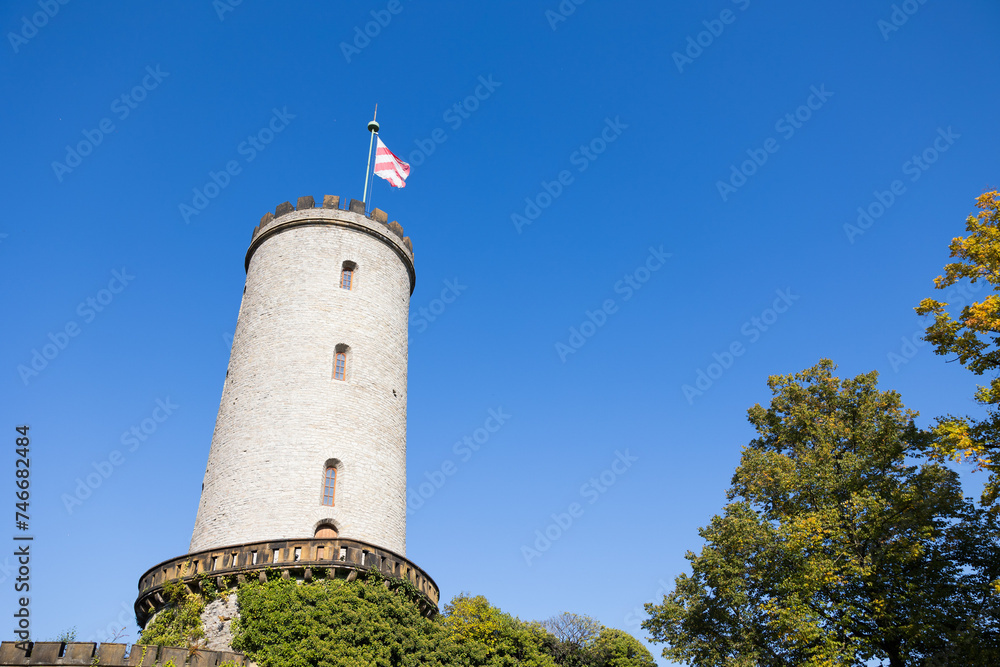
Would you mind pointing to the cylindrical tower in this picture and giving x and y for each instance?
(310, 438)
(306, 475)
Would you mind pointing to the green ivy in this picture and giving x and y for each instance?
(209, 591)
(334, 623)
(179, 622)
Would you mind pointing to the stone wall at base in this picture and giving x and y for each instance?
(217, 622)
(53, 654)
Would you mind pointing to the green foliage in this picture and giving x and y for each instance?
(376, 621)
(844, 544)
(581, 641)
(615, 648)
(206, 584)
(973, 339)
(66, 635)
(335, 623)
(179, 622)
(488, 636)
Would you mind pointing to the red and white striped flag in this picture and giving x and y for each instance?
(390, 167)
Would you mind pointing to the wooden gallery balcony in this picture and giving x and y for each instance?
(305, 559)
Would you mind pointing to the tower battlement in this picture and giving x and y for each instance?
(306, 211)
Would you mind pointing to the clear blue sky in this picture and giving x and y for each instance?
(673, 127)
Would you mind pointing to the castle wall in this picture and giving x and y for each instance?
(53, 654)
(283, 415)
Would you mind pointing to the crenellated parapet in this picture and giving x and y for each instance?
(51, 654)
(307, 212)
(304, 560)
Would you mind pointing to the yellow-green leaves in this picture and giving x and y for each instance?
(972, 336)
(844, 543)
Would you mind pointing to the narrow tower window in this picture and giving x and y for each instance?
(329, 485)
(340, 362)
(347, 275)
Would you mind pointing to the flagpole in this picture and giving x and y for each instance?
(373, 128)
(371, 195)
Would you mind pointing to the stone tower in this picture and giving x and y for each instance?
(307, 466)
(285, 416)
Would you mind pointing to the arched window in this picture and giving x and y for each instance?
(347, 275)
(340, 362)
(329, 484)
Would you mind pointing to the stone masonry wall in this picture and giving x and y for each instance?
(217, 621)
(283, 416)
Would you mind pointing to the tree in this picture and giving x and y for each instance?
(570, 638)
(575, 640)
(616, 648)
(843, 545)
(573, 628)
(973, 338)
(491, 637)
